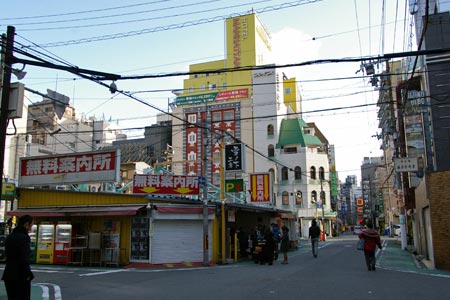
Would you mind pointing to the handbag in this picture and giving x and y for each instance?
(361, 243)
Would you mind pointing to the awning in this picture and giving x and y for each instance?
(78, 211)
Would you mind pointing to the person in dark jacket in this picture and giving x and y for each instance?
(284, 246)
(314, 235)
(371, 241)
(268, 249)
(17, 274)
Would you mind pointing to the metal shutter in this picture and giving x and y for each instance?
(178, 241)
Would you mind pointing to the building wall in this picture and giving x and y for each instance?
(439, 199)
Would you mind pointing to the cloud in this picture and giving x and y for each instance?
(293, 46)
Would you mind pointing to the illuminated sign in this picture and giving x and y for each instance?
(211, 97)
(234, 157)
(70, 168)
(166, 184)
(8, 191)
(260, 187)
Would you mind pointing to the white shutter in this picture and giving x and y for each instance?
(178, 241)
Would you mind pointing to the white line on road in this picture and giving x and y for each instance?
(104, 272)
(45, 290)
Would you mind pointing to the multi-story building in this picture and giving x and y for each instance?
(245, 99)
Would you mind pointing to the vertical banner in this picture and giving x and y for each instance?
(260, 188)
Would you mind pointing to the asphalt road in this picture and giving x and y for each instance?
(339, 273)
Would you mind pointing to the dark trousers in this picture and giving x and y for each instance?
(370, 259)
(18, 289)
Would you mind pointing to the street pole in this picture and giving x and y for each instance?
(205, 191)
(323, 209)
(7, 49)
(222, 199)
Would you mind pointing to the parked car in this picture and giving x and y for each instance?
(357, 229)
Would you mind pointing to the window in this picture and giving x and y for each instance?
(192, 119)
(270, 130)
(321, 173)
(297, 173)
(323, 197)
(270, 151)
(192, 156)
(314, 196)
(216, 116)
(285, 198)
(195, 75)
(202, 87)
(312, 172)
(298, 198)
(213, 86)
(284, 173)
(228, 115)
(287, 90)
(192, 137)
(290, 150)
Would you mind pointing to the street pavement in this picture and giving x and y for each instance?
(391, 257)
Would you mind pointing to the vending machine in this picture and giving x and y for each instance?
(45, 244)
(33, 238)
(63, 237)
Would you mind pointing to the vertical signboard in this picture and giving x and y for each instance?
(234, 157)
(260, 188)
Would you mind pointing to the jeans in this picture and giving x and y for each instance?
(315, 246)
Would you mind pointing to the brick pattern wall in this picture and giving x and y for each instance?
(438, 186)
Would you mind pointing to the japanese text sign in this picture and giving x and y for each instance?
(70, 168)
(234, 157)
(260, 187)
(166, 184)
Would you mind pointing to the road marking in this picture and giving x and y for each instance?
(105, 272)
(46, 290)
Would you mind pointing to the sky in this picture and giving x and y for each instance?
(166, 36)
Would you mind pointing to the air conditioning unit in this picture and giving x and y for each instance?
(93, 189)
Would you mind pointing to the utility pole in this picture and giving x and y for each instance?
(7, 49)
(205, 190)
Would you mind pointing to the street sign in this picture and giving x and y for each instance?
(405, 164)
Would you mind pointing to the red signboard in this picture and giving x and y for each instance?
(166, 184)
(260, 187)
(70, 168)
(232, 94)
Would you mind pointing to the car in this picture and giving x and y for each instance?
(357, 229)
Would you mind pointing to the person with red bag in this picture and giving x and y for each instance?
(372, 240)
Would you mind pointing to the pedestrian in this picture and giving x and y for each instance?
(371, 241)
(268, 249)
(276, 236)
(314, 235)
(17, 274)
(243, 242)
(284, 246)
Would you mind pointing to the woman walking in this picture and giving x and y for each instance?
(371, 241)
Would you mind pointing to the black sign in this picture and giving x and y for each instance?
(234, 157)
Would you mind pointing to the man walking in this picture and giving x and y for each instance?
(17, 274)
(314, 235)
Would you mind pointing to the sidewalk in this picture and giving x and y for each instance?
(393, 257)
